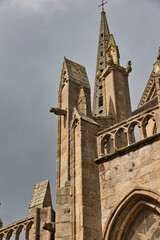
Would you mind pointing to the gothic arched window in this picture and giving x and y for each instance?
(136, 217)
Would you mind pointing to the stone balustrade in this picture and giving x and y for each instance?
(16, 228)
(125, 133)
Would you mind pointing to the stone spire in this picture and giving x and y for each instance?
(104, 35)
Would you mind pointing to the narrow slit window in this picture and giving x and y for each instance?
(100, 101)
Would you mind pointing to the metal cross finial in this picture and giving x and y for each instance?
(102, 4)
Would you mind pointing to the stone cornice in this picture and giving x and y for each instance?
(127, 149)
(113, 67)
(135, 116)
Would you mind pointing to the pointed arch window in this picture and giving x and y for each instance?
(136, 217)
(146, 225)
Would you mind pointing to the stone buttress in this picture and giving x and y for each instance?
(77, 194)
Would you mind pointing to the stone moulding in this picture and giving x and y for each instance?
(22, 221)
(135, 199)
(127, 149)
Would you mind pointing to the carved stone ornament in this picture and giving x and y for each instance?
(157, 68)
(98, 74)
(109, 59)
(128, 67)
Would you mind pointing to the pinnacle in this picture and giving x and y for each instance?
(158, 57)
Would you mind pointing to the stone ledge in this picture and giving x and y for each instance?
(127, 149)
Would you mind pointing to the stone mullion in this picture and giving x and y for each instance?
(157, 82)
(128, 136)
(17, 235)
(1, 236)
(27, 235)
(8, 235)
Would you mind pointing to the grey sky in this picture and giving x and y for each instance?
(35, 35)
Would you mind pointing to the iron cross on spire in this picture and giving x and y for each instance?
(102, 4)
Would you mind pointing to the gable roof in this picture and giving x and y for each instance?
(149, 91)
(73, 72)
(41, 195)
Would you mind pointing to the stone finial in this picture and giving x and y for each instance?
(158, 57)
(109, 59)
(157, 64)
(98, 74)
(128, 67)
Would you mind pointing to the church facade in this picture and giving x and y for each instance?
(108, 159)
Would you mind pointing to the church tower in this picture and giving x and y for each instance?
(111, 91)
(108, 173)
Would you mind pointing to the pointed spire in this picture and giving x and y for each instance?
(104, 35)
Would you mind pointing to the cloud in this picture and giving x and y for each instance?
(37, 6)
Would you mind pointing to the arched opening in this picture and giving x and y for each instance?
(121, 138)
(107, 145)
(29, 233)
(136, 217)
(144, 225)
(133, 133)
(18, 231)
(149, 126)
(136, 133)
(22, 235)
(10, 235)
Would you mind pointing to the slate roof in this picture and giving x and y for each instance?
(75, 73)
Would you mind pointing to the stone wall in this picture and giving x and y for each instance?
(139, 167)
